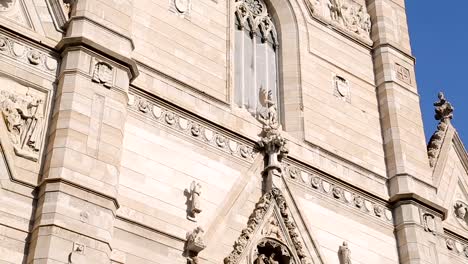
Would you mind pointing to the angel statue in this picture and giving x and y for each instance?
(195, 208)
(269, 119)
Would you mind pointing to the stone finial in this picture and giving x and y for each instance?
(272, 144)
(443, 108)
(344, 254)
(194, 245)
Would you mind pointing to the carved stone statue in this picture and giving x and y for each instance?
(271, 229)
(23, 116)
(460, 210)
(344, 254)
(194, 245)
(195, 207)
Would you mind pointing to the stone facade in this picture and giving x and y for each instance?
(120, 141)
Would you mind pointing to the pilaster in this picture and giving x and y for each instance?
(409, 175)
(77, 199)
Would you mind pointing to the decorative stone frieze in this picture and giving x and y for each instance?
(355, 200)
(343, 15)
(258, 217)
(456, 245)
(443, 113)
(190, 127)
(24, 54)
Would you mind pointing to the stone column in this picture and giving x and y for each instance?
(410, 184)
(77, 198)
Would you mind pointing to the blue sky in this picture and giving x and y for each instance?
(439, 39)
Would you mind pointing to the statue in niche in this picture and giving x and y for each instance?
(194, 201)
(23, 116)
(344, 254)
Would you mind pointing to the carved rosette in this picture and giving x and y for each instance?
(257, 218)
(343, 15)
(443, 113)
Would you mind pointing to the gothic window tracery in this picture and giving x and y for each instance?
(256, 55)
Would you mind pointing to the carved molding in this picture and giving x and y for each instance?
(190, 127)
(257, 218)
(343, 15)
(339, 192)
(27, 55)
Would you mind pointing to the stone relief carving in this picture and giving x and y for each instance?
(194, 245)
(28, 55)
(253, 15)
(188, 126)
(24, 118)
(429, 223)
(403, 73)
(443, 113)
(344, 254)
(255, 220)
(341, 88)
(194, 201)
(456, 246)
(344, 15)
(103, 73)
(460, 210)
(271, 229)
(340, 193)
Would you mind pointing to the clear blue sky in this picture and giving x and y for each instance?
(439, 39)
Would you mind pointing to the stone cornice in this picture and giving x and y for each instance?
(69, 42)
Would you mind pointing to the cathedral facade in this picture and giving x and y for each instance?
(222, 131)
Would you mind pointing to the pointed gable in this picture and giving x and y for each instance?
(271, 228)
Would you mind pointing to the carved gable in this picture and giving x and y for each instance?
(271, 235)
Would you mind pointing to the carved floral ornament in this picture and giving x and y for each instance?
(344, 15)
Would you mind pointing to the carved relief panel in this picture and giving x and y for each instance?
(345, 15)
(23, 111)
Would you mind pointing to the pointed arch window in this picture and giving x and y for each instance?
(256, 55)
